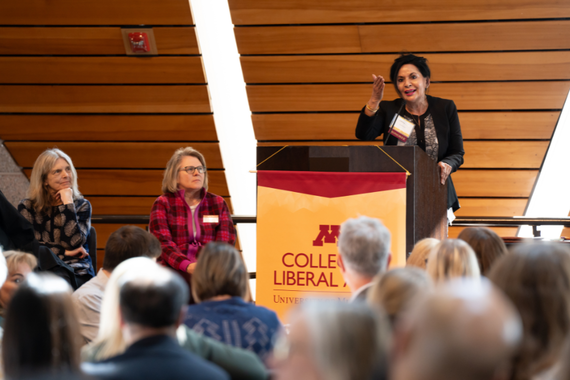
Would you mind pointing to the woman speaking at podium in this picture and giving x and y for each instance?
(415, 118)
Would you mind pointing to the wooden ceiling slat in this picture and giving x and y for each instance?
(352, 97)
(332, 126)
(453, 232)
(104, 99)
(101, 70)
(265, 12)
(126, 205)
(494, 183)
(491, 207)
(101, 12)
(444, 67)
(504, 154)
(134, 182)
(90, 41)
(448, 37)
(113, 154)
(121, 205)
(108, 127)
(479, 154)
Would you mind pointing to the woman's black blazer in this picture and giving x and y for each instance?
(448, 130)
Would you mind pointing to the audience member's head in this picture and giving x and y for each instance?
(170, 180)
(151, 302)
(488, 246)
(20, 265)
(465, 329)
(39, 191)
(393, 290)
(420, 253)
(332, 341)
(128, 242)
(536, 277)
(364, 247)
(110, 340)
(220, 271)
(41, 332)
(452, 258)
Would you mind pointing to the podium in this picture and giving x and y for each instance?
(426, 198)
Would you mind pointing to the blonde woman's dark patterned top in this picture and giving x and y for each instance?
(64, 228)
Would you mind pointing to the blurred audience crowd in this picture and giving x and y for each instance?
(460, 309)
(179, 306)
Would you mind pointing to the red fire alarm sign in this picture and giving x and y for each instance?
(139, 42)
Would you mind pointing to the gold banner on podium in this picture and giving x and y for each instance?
(298, 221)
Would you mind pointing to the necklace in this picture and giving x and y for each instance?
(419, 120)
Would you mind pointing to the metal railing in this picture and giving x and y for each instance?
(511, 222)
(461, 222)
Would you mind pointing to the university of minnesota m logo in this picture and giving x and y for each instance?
(326, 236)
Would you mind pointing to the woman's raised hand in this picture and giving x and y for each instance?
(66, 195)
(377, 95)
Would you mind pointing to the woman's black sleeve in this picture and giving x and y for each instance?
(370, 127)
(454, 155)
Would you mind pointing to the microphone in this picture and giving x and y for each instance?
(393, 122)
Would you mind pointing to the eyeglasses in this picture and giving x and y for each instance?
(192, 169)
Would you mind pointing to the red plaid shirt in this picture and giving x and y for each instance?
(171, 223)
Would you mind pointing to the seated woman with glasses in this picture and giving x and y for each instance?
(187, 216)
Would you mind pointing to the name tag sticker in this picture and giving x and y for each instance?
(402, 129)
(211, 219)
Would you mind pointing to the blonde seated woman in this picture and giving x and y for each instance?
(20, 265)
(59, 214)
(420, 253)
(240, 364)
(392, 291)
(452, 258)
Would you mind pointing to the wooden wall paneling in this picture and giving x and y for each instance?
(134, 182)
(109, 205)
(453, 232)
(101, 12)
(341, 126)
(298, 39)
(145, 155)
(101, 70)
(491, 206)
(494, 36)
(89, 41)
(109, 99)
(265, 12)
(425, 37)
(494, 183)
(351, 97)
(504, 154)
(508, 125)
(480, 154)
(444, 67)
(107, 127)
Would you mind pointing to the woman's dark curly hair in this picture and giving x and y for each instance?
(408, 59)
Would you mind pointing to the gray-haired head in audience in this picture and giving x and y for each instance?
(364, 247)
(333, 341)
(465, 329)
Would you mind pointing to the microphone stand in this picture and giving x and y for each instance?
(393, 122)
